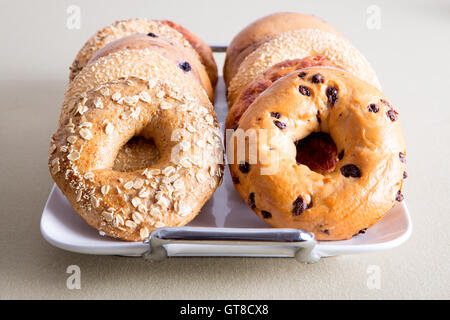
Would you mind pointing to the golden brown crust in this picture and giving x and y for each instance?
(119, 96)
(337, 203)
(265, 80)
(263, 30)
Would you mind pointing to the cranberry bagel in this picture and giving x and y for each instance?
(265, 80)
(323, 151)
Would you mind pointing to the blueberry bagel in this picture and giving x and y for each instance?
(325, 153)
(138, 144)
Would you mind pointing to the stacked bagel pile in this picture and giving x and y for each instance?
(332, 159)
(138, 144)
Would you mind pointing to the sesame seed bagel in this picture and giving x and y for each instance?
(326, 154)
(165, 29)
(136, 94)
(296, 45)
(263, 30)
(179, 55)
(265, 80)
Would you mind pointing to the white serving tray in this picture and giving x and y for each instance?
(225, 227)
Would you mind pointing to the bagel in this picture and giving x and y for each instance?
(204, 51)
(157, 28)
(263, 30)
(181, 56)
(265, 80)
(299, 44)
(138, 144)
(332, 157)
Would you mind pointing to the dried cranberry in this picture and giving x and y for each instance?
(251, 200)
(304, 91)
(275, 115)
(266, 214)
(399, 197)
(302, 74)
(299, 206)
(350, 170)
(280, 125)
(332, 95)
(244, 167)
(373, 107)
(317, 78)
(185, 66)
(392, 114)
(405, 175)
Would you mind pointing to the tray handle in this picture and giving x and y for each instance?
(218, 47)
(301, 241)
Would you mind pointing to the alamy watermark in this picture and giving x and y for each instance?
(74, 280)
(73, 21)
(374, 278)
(373, 21)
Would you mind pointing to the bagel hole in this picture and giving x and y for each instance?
(138, 153)
(318, 152)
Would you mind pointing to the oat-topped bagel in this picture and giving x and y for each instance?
(265, 80)
(179, 55)
(263, 30)
(330, 155)
(154, 28)
(128, 94)
(298, 44)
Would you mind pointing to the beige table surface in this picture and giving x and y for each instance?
(410, 52)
